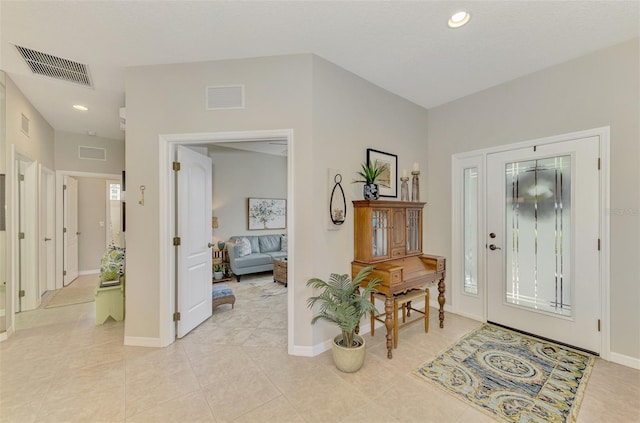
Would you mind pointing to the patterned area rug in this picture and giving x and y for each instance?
(513, 377)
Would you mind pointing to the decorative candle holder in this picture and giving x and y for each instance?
(404, 188)
(415, 186)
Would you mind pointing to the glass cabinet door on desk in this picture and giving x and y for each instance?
(379, 233)
(414, 230)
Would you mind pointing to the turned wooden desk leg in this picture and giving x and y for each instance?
(441, 301)
(388, 322)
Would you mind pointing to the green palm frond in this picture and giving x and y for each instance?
(340, 304)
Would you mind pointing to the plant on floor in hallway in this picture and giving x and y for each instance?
(342, 304)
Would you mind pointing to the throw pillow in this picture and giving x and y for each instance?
(284, 243)
(113, 259)
(245, 247)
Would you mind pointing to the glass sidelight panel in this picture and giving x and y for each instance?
(470, 222)
(380, 220)
(538, 234)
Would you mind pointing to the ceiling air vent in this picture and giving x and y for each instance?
(56, 67)
(228, 97)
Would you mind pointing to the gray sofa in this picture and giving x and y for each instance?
(264, 248)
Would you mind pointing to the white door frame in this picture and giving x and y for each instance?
(463, 160)
(47, 209)
(166, 230)
(60, 174)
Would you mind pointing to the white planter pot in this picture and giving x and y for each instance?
(348, 360)
(217, 275)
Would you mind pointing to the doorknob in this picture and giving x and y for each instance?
(209, 245)
(494, 247)
(77, 233)
(47, 239)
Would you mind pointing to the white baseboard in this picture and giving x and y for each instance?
(88, 272)
(138, 341)
(321, 347)
(625, 360)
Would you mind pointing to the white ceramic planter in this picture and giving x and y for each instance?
(348, 360)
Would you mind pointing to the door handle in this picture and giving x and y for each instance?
(209, 245)
(77, 233)
(494, 247)
(47, 239)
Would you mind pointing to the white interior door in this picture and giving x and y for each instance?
(194, 195)
(543, 236)
(47, 230)
(70, 230)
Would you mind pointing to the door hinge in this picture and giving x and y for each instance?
(64, 230)
(176, 316)
(21, 293)
(176, 241)
(64, 187)
(598, 244)
(176, 166)
(598, 325)
(64, 273)
(20, 235)
(21, 177)
(598, 163)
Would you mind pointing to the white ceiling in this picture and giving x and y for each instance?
(404, 47)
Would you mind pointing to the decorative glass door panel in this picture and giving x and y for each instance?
(380, 228)
(538, 234)
(413, 230)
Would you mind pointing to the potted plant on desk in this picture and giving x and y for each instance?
(370, 174)
(341, 303)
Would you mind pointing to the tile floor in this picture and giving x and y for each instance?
(60, 367)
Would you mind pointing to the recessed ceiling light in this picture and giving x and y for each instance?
(80, 107)
(458, 19)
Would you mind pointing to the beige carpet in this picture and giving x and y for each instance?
(81, 290)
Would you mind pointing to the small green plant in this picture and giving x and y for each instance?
(371, 172)
(341, 304)
(218, 268)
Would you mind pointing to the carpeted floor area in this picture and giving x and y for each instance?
(511, 376)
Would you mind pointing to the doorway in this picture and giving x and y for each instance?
(530, 237)
(543, 235)
(168, 224)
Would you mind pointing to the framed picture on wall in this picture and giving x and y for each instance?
(390, 176)
(267, 213)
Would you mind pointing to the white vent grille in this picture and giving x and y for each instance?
(56, 67)
(24, 125)
(223, 98)
(92, 153)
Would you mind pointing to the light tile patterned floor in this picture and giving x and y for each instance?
(234, 367)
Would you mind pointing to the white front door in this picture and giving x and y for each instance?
(194, 196)
(542, 239)
(70, 230)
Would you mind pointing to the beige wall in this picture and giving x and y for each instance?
(349, 116)
(92, 198)
(238, 175)
(335, 116)
(171, 100)
(600, 89)
(66, 153)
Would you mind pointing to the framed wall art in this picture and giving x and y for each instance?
(267, 213)
(390, 176)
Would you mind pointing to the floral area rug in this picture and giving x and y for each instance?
(513, 377)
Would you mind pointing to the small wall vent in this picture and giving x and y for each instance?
(56, 67)
(224, 98)
(92, 153)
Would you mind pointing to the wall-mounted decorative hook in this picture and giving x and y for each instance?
(141, 201)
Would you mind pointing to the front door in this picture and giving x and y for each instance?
(194, 196)
(543, 241)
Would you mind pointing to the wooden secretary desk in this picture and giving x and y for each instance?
(388, 236)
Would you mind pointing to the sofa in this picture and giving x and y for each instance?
(255, 253)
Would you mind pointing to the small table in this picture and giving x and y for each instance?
(280, 271)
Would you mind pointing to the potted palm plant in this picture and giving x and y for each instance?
(370, 174)
(342, 304)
